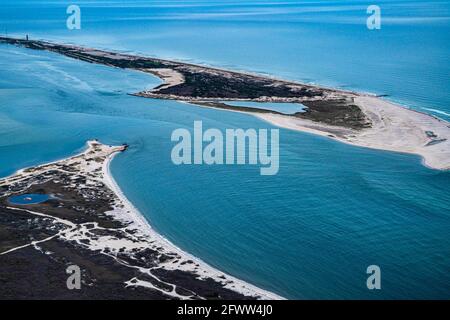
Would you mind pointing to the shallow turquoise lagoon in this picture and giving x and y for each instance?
(286, 108)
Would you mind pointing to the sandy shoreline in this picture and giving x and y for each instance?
(394, 128)
(131, 213)
(167, 271)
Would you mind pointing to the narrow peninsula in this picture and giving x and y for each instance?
(354, 118)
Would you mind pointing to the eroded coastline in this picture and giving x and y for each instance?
(88, 222)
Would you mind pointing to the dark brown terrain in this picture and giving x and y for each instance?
(78, 226)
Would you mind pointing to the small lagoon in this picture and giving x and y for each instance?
(25, 199)
(286, 108)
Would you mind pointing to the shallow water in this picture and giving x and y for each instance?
(286, 108)
(25, 199)
(319, 41)
(333, 209)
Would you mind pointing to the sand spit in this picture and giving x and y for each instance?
(350, 117)
(394, 128)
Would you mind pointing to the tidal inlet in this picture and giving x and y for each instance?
(249, 151)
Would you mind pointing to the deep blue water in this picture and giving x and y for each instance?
(333, 209)
(286, 108)
(32, 198)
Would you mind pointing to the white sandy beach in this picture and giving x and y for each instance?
(129, 213)
(169, 76)
(144, 236)
(394, 128)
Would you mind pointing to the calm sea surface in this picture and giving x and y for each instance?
(333, 209)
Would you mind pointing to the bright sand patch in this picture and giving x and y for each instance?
(169, 76)
(394, 128)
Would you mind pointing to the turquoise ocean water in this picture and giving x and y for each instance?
(333, 209)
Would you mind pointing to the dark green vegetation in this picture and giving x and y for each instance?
(200, 82)
(339, 112)
(236, 86)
